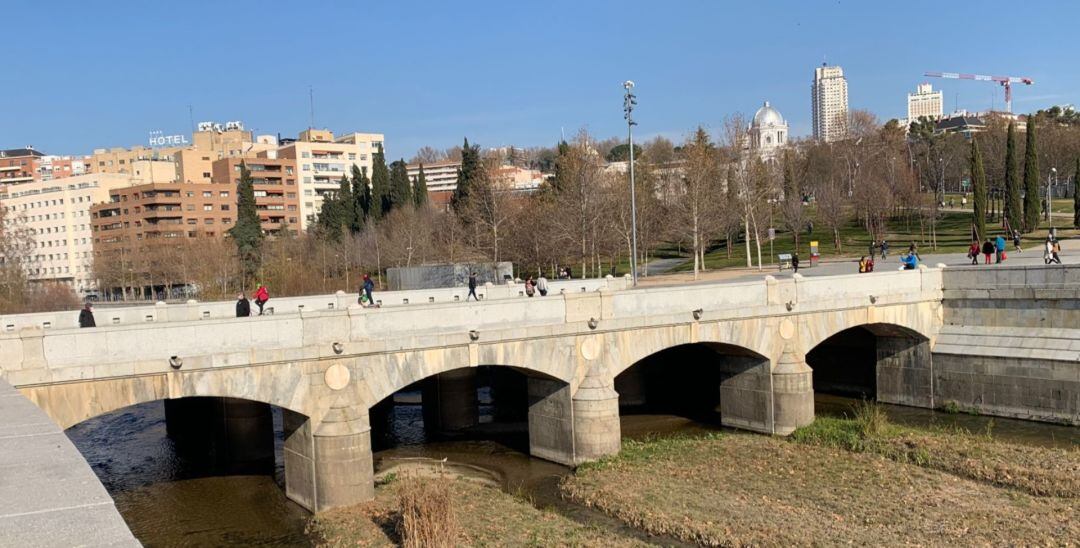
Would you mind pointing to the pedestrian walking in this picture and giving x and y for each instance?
(988, 249)
(472, 288)
(973, 252)
(884, 249)
(914, 250)
(86, 316)
(368, 287)
(541, 285)
(530, 287)
(795, 262)
(243, 306)
(569, 273)
(261, 296)
(873, 249)
(1016, 241)
(999, 247)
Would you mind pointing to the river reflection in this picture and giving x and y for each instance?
(172, 500)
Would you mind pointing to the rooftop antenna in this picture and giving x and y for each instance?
(191, 118)
(311, 100)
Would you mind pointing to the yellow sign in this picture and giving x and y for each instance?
(813, 243)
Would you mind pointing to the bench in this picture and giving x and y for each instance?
(784, 259)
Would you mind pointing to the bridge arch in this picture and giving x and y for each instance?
(71, 403)
(881, 361)
(708, 381)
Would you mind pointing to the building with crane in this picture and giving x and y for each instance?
(1004, 81)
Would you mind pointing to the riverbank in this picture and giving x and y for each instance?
(739, 489)
(486, 516)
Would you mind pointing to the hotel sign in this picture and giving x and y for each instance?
(159, 139)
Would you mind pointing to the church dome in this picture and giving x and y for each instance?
(767, 116)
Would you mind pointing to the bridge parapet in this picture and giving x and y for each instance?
(215, 310)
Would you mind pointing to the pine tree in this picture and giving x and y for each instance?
(1076, 194)
(557, 183)
(469, 174)
(420, 196)
(978, 182)
(247, 232)
(400, 189)
(1031, 180)
(1013, 205)
(361, 191)
(380, 185)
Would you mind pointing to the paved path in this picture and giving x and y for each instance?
(1070, 254)
(49, 496)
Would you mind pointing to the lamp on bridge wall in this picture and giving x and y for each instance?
(176, 362)
(873, 299)
(593, 323)
(474, 335)
(338, 348)
(697, 313)
(789, 305)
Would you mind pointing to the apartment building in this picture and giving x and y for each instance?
(829, 102)
(439, 176)
(19, 165)
(322, 160)
(277, 194)
(57, 214)
(58, 167)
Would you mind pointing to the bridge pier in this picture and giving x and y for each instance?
(793, 393)
(573, 429)
(449, 401)
(597, 429)
(904, 371)
(330, 465)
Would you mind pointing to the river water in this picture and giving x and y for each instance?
(169, 499)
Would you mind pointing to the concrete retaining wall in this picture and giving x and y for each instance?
(49, 496)
(1010, 345)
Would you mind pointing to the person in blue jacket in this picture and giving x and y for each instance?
(910, 261)
(999, 245)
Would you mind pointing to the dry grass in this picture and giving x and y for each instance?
(1039, 471)
(745, 489)
(486, 516)
(428, 519)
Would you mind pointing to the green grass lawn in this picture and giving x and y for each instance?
(953, 236)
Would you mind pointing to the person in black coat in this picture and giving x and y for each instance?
(86, 316)
(243, 306)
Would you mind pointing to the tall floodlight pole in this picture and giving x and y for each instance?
(629, 101)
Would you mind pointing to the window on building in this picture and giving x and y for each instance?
(224, 207)
(224, 193)
(206, 174)
(305, 154)
(191, 207)
(226, 220)
(190, 194)
(207, 194)
(208, 221)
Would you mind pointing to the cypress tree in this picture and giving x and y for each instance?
(1013, 205)
(1076, 194)
(361, 193)
(328, 224)
(380, 185)
(346, 203)
(247, 232)
(400, 189)
(469, 174)
(1031, 179)
(978, 182)
(420, 196)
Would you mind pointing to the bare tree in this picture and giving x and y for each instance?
(427, 155)
(701, 191)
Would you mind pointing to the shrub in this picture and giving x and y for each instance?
(427, 513)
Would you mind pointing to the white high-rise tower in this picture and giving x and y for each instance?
(924, 102)
(828, 96)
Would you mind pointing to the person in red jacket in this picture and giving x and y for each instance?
(261, 296)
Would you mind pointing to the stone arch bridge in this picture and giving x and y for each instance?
(329, 369)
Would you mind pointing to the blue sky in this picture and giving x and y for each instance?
(76, 78)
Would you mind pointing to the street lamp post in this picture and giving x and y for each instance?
(629, 101)
(1049, 198)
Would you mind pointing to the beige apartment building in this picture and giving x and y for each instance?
(321, 161)
(829, 102)
(57, 213)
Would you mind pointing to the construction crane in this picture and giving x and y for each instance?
(1004, 81)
